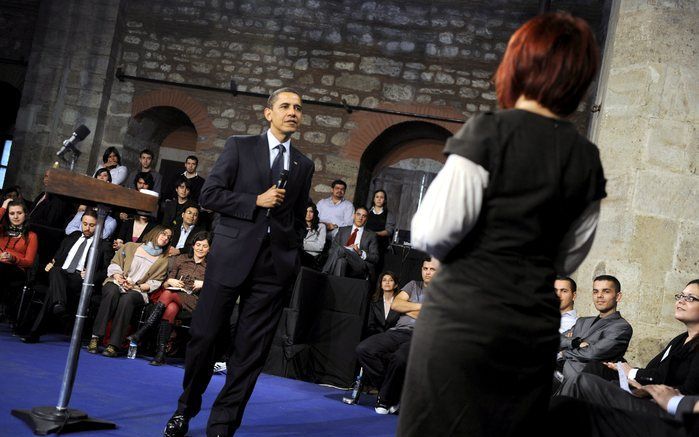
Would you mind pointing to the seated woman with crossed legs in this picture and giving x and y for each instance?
(186, 278)
(136, 270)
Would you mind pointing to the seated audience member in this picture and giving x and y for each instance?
(111, 160)
(110, 224)
(602, 338)
(190, 172)
(381, 220)
(13, 192)
(314, 240)
(183, 235)
(136, 270)
(18, 246)
(145, 158)
(142, 181)
(596, 420)
(381, 316)
(566, 290)
(133, 230)
(66, 274)
(335, 211)
(354, 250)
(172, 209)
(384, 356)
(49, 211)
(676, 366)
(182, 287)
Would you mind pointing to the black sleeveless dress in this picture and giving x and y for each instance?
(483, 351)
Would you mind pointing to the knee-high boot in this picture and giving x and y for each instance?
(153, 318)
(163, 336)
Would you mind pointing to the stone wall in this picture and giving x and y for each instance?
(647, 134)
(70, 68)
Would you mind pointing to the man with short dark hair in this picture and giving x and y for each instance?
(66, 274)
(335, 211)
(183, 235)
(145, 159)
(355, 249)
(195, 181)
(254, 256)
(566, 290)
(602, 338)
(384, 356)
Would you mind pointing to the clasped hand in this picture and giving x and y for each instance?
(272, 197)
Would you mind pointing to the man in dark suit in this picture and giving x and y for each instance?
(254, 256)
(602, 338)
(354, 250)
(66, 274)
(183, 235)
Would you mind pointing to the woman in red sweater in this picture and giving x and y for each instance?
(18, 244)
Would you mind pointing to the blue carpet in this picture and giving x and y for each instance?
(140, 398)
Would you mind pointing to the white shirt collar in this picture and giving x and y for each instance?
(273, 142)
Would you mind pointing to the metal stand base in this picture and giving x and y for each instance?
(47, 420)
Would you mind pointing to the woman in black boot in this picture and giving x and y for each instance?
(181, 291)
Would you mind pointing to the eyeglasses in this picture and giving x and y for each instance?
(686, 297)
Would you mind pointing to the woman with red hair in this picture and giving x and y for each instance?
(516, 202)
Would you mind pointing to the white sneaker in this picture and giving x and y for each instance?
(394, 409)
(380, 409)
(220, 367)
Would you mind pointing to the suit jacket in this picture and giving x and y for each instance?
(177, 230)
(378, 322)
(680, 369)
(686, 405)
(368, 243)
(240, 174)
(103, 258)
(608, 338)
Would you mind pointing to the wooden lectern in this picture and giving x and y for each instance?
(102, 195)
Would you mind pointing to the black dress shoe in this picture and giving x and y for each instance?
(31, 338)
(177, 426)
(59, 308)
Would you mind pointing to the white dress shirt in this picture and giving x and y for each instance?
(453, 202)
(274, 142)
(357, 240)
(71, 254)
(184, 233)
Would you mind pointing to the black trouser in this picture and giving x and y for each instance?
(344, 262)
(384, 358)
(63, 287)
(261, 297)
(117, 307)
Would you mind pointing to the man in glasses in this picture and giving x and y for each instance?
(602, 338)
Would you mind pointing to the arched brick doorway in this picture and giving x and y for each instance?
(402, 160)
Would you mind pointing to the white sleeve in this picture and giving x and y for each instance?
(578, 240)
(450, 207)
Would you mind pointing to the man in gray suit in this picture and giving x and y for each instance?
(602, 338)
(354, 250)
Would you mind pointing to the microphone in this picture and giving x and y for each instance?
(281, 183)
(78, 135)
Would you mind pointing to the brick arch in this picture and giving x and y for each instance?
(193, 108)
(371, 125)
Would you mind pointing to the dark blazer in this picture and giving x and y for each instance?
(680, 369)
(126, 229)
(367, 243)
(176, 230)
(608, 338)
(377, 322)
(240, 174)
(103, 259)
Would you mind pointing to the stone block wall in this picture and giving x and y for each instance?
(647, 134)
(68, 73)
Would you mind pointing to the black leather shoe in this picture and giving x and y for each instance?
(31, 338)
(177, 426)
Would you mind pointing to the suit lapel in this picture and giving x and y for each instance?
(602, 323)
(294, 159)
(261, 153)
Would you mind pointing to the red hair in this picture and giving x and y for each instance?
(552, 59)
